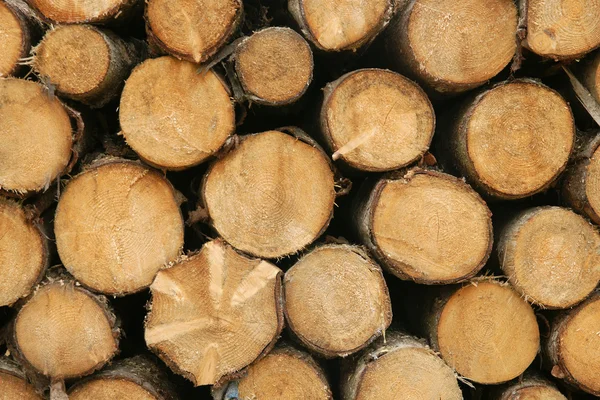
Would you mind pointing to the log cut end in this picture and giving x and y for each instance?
(109, 389)
(116, 225)
(592, 181)
(504, 131)
(274, 66)
(552, 256)
(36, 137)
(13, 383)
(65, 332)
(192, 30)
(487, 333)
(284, 373)
(377, 120)
(531, 390)
(335, 25)
(272, 195)
(23, 253)
(564, 30)
(430, 227)
(591, 76)
(79, 11)
(174, 117)
(214, 313)
(472, 41)
(318, 305)
(13, 37)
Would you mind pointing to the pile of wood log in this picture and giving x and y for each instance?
(299, 199)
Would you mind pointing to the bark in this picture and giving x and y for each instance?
(532, 385)
(14, 382)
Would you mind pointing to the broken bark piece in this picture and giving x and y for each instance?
(174, 117)
(272, 195)
(15, 34)
(84, 63)
(136, 378)
(341, 24)
(14, 384)
(573, 347)
(452, 46)
(551, 256)
(84, 11)
(65, 331)
(566, 29)
(274, 66)
(286, 372)
(399, 367)
(426, 226)
(23, 253)
(376, 120)
(513, 140)
(591, 75)
(336, 300)
(116, 225)
(485, 331)
(36, 137)
(213, 313)
(192, 30)
(530, 388)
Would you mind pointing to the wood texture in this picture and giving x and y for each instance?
(14, 384)
(84, 11)
(17, 28)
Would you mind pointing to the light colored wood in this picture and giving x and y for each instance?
(15, 35)
(591, 75)
(376, 120)
(192, 30)
(337, 25)
(272, 195)
(13, 383)
(529, 388)
(116, 225)
(23, 253)
(551, 256)
(573, 346)
(513, 140)
(485, 331)
(451, 46)
(174, 117)
(213, 313)
(563, 29)
(83, 11)
(426, 226)
(64, 331)
(319, 308)
(274, 66)
(36, 137)
(399, 367)
(84, 63)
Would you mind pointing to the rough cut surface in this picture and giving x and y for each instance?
(23, 253)
(551, 255)
(80, 11)
(116, 225)
(591, 76)
(36, 136)
(427, 226)
(319, 309)
(192, 30)
(12, 40)
(274, 66)
(529, 388)
(272, 195)
(174, 117)
(213, 313)
(64, 331)
(376, 120)
(563, 29)
(109, 389)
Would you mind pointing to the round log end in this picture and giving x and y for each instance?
(564, 30)
(487, 333)
(503, 132)
(36, 136)
(318, 308)
(531, 389)
(81, 11)
(214, 313)
(108, 389)
(12, 32)
(13, 383)
(270, 196)
(117, 224)
(23, 253)
(550, 255)
(64, 332)
(174, 117)
(377, 120)
(274, 66)
(430, 227)
(192, 30)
